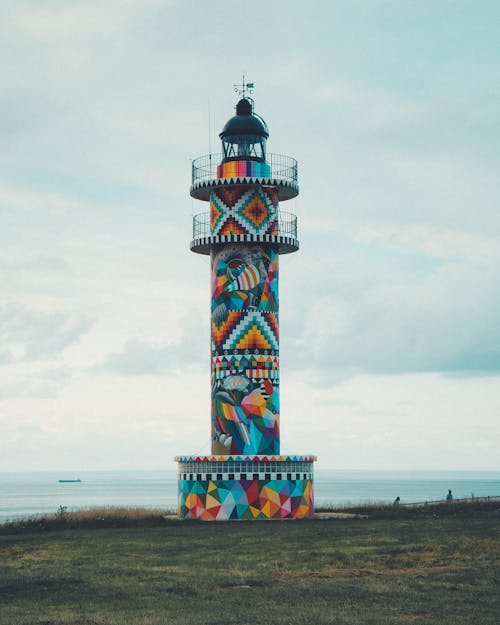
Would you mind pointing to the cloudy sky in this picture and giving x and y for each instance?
(390, 312)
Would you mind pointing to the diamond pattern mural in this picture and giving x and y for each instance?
(244, 210)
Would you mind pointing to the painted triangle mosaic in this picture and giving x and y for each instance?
(246, 499)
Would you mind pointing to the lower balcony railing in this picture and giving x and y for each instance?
(287, 225)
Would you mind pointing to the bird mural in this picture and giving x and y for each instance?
(239, 280)
(245, 414)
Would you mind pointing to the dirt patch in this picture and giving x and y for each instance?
(339, 515)
(333, 573)
(246, 585)
(79, 621)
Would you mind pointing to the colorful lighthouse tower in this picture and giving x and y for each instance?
(245, 232)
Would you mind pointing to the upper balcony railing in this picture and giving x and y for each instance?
(281, 171)
(282, 167)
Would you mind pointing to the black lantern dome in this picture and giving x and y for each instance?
(244, 135)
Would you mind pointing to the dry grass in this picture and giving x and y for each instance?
(91, 517)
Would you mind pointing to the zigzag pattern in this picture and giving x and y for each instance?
(249, 211)
(221, 331)
(257, 330)
(285, 188)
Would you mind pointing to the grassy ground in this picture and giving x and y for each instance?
(434, 567)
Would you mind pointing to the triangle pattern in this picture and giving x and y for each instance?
(257, 330)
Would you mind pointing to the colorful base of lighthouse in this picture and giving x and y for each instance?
(223, 488)
(245, 499)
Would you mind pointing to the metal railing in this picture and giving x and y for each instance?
(287, 225)
(282, 167)
(479, 498)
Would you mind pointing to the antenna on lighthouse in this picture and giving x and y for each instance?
(244, 88)
(209, 131)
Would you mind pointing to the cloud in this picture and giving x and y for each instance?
(33, 273)
(139, 357)
(27, 335)
(34, 383)
(413, 421)
(392, 302)
(142, 358)
(392, 114)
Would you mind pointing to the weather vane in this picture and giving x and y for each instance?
(244, 88)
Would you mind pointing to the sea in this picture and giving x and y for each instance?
(30, 494)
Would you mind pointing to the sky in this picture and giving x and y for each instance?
(389, 316)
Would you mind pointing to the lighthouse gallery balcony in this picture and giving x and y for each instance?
(214, 171)
(286, 239)
(209, 172)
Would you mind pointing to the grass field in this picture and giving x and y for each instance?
(438, 566)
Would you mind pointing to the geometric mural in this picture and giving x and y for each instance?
(244, 276)
(223, 325)
(245, 415)
(251, 365)
(245, 499)
(245, 346)
(252, 330)
(244, 210)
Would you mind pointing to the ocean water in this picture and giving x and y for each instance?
(28, 494)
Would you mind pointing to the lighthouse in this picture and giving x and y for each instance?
(245, 232)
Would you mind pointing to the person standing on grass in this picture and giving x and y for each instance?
(449, 496)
